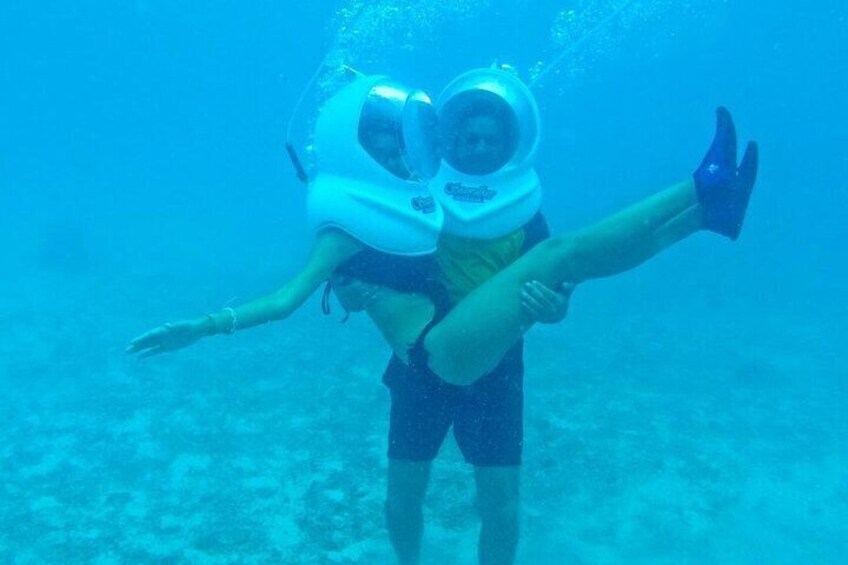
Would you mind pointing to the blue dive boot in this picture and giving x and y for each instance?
(723, 189)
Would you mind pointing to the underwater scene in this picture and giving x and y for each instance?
(384, 281)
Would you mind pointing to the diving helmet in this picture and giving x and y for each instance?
(375, 147)
(489, 131)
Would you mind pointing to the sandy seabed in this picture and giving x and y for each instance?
(646, 442)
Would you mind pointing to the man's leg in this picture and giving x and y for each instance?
(489, 430)
(407, 484)
(498, 502)
(418, 423)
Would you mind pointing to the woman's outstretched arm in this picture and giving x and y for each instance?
(331, 248)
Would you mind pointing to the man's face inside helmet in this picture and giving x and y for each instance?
(481, 145)
(483, 137)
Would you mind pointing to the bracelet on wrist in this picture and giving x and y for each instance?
(233, 321)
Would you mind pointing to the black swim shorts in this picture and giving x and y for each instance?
(487, 416)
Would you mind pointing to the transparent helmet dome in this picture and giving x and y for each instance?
(488, 121)
(329, 78)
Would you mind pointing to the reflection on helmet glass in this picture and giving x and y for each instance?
(398, 130)
(479, 132)
(420, 136)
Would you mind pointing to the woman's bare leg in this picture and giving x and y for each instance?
(623, 240)
(471, 340)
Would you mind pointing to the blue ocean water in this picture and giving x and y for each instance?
(691, 410)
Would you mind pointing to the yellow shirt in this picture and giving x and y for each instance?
(465, 264)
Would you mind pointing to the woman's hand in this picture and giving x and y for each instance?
(169, 337)
(543, 305)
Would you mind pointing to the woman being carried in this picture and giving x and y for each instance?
(377, 227)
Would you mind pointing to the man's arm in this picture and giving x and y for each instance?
(542, 305)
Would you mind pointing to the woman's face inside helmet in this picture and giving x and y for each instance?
(398, 130)
(383, 144)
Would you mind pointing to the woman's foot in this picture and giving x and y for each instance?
(724, 189)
